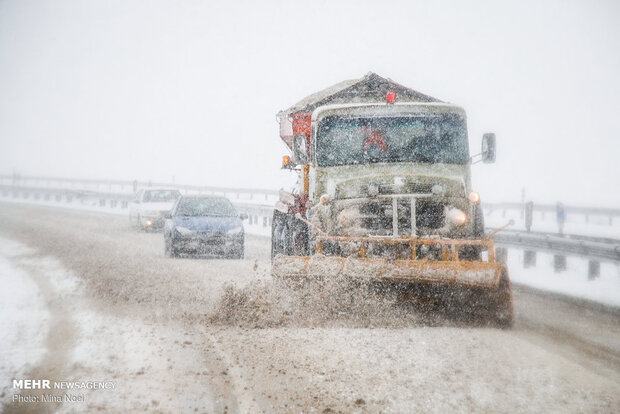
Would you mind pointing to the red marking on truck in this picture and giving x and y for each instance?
(374, 138)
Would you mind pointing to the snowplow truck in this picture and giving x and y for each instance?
(384, 195)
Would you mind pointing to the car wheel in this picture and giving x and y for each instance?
(170, 249)
(239, 254)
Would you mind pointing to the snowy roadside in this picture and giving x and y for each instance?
(571, 282)
(49, 329)
(23, 318)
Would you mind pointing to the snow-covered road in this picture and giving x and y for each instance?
(153, 326)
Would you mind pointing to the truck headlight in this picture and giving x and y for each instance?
(233, 231)
(456, 217)
(474, 197)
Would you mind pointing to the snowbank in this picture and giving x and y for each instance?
(23, 317)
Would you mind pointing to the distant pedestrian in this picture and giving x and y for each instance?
(560, 216)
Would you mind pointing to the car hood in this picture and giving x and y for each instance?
(208, 223)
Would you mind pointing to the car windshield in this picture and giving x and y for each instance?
(205, 207)
(439, 138)
(160, 196)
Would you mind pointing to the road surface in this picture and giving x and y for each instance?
(175, 336)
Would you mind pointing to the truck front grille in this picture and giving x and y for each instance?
(376, 216)
(410, 188)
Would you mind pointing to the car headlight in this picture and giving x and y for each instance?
(233, 231)
(456, 217)
(184, 231)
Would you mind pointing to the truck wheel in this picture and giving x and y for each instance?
(478, 221)
(288, 241)
(281, 240)
(299, 237)
(275, 234)
(501, 309)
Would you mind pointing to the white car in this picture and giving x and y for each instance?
(148, 209)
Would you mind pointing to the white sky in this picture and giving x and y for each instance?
(190, 89)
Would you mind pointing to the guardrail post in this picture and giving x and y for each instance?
(529, 258)
(559, 263)
(594, 269)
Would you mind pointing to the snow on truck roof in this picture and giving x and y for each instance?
(368, 89)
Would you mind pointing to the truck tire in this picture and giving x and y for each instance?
(282, 239)
(276, 229)
(300, 237)
(478, 220)
(501, 313)
(287, 236)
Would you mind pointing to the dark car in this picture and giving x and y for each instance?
(205, 225)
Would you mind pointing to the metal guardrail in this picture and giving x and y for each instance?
(574, 245)
(584, 246)
(123, 186)
(551, 208)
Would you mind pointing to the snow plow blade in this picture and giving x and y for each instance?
(466, 273)
(450, 270)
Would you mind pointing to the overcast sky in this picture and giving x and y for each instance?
(190, 89)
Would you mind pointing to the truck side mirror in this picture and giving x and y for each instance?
(300, 150)
(488, 148)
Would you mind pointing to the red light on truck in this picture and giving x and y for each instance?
(390, 97)
(286, 160)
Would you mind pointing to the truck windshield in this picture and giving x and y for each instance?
(439, 138)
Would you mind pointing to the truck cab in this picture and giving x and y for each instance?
(385, 197)
(386, 161)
